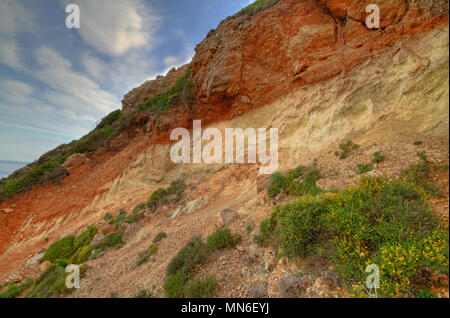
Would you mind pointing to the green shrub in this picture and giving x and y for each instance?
(262, 239)
(276, 184)
(254, 8)
(108, 216)
(426, 293)
(110, 119)
(81, 256)
(419, 175)
(120, 218)
(159, 237)
(133, 218)
(174, 284)
(15, 290)
(198, 288)
(302, 180)
(418, 143)
(144, 256)
(138, 208)
(194, 253)
(181, 92)
(387, 223)
(41, 171)
(51, 283)
(60, 250)
(177, 187)
(363, 168)
(112, 239)
(378, 157)
(299, 181)
(346, 149)
(222, 238)
(86, 237)
(158, 197)
(144, 293)
(181, 269)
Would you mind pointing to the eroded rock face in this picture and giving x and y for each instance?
(74, 161)
(227, 216)
(251, 60)
(151, 88)
(35, 260)
(248, 62)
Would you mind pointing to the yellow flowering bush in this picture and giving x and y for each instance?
(387, 223)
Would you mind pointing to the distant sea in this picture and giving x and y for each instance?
(7, 167)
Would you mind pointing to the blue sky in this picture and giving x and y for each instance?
(56, 83)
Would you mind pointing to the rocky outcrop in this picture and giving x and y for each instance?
(75, 161)
(247, 63)
(151, 88)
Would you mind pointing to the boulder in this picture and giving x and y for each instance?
(74, 161)
(44, 266)
(325, 286)
(291, 286)
(195, 204)
(15, 278)
(35, 259)
(227, 216)
(190, 207)
(176, 212)
(258, 290)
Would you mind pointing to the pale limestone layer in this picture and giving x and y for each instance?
(404, 90)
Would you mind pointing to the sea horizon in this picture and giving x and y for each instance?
(9, 166)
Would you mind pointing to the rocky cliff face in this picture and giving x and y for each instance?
(249, 61)
(151, 88)
(309, 68)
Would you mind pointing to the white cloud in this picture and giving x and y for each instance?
(9, 54)
(13, 17)
(71, 86)
(170, 61)
(15, 92)
(94, 66)
(112, 27)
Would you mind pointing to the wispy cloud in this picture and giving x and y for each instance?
(57, 82)
(113, 27)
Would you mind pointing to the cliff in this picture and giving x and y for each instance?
(313, 70)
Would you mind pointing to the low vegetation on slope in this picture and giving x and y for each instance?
(52, 282)
(181, 271)
(161, 195)
(254, 8)
(48, 169)
(386, 223)
(181, 93)
(299, 181)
